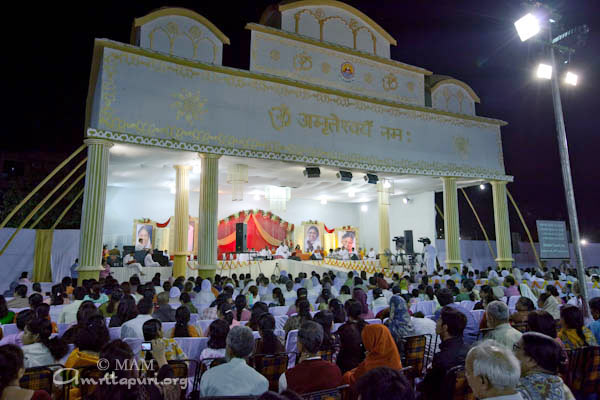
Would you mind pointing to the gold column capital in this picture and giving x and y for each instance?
(182, 167)
(498, 183)
(209, 155)
(102, 142)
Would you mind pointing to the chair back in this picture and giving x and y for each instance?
(455, 385)
(271, 366)
(87, 375)
(39, 378)
(114, 333)
(414, 353)
(373, 321)
(327, 394)
(583, 372)
(477, 315)
(10, 329)
(468, 304)
(291, 346)
(279, 310)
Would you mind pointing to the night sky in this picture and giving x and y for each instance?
(49, 58)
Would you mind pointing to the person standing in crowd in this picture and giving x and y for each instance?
(498, 319)
(453, 350)
(540, 359)
(236, 377)
(312, 373)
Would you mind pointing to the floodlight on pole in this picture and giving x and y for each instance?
(544, 71)
(571, 78)
(584, 242)
(527, 27)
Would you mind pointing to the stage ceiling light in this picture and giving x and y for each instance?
(312, 172)
(527, 27)
(405, 200)
(351, 193)
(371, 178)
(482, 186)
(544, 71)
(387, 184)
(323, 201)
(364, 208)
(345, 176)
(571, 78)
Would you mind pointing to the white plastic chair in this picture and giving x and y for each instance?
(512, 302)
(62, 328)
(204, 324)
(477, 315)
(114, 333)
(291, 346)
(135, 344)
(468, 304)
(10, 329)
(280, 310)
(167, 326)
(280, 321)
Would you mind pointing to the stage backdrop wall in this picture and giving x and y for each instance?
(418, 215)
(123, 205)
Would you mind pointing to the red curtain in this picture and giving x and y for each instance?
(274, 230)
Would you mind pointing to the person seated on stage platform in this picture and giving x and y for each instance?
(130, 262)
(371, 255)
(266, 253)
(148, 261)
(317, 254)
(344, 254)
(139, 245)
(353, 255)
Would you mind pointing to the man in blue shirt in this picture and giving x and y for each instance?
(445, 298)
(595, 310)
(74, 273)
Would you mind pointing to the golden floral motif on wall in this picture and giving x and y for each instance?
(189, 106)
(410, 86)
(389, 82)
(280, 117)
(368, 78)
(461, 144)
(274, 54)
(302, 62)
(325, 67)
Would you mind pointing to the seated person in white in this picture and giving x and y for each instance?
(133, 327)
(378, 298)
(372, 255)
(149, 262)
(344, 255)
(282, 251)
(236, 377)
(129, 262)
(139, 245)
(266, 253)
(317, 253)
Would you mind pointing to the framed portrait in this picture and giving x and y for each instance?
(143, 234)
(348, 239)
(313, 237)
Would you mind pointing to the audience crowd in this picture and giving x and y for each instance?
(339, 330)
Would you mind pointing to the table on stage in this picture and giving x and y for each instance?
(293, 267)
(122, 274)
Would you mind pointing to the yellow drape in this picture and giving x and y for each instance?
(42, 270)
(266, 236)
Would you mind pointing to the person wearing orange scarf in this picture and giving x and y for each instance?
(381, 352)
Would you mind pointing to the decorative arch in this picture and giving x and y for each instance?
(338, 4)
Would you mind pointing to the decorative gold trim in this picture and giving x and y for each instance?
(288, 82)
(337, 47)
(337, 4)
(456, 82)
(182, 12)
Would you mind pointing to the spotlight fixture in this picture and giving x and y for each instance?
(482, 186)
(323, 201)
(387, 184)
(583, 242)
(571, 78)
(312, 172)
(345, 176)
(544, 71)
(371, 178)
(405, 200)
(364, 208)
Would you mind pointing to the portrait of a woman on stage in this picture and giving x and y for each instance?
(312, 238)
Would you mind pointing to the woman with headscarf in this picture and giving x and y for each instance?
(548, 303)
(174, 295)
(360, 296)
(381, 352)
(205, 296)
(498, 290)
(527, 292)
(317, 287)
(399, 324)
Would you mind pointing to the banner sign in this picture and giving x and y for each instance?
(553, 240)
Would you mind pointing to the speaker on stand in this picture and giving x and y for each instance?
(240, 237)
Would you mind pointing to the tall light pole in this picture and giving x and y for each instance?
(527, 28)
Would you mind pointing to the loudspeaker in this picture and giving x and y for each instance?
(408, 242)
(240, 237)
(514, 241)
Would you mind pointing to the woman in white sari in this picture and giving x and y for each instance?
(205, 296)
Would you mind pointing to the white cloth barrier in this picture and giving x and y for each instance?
(18, 257)
(65, 249)
(122, 274)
